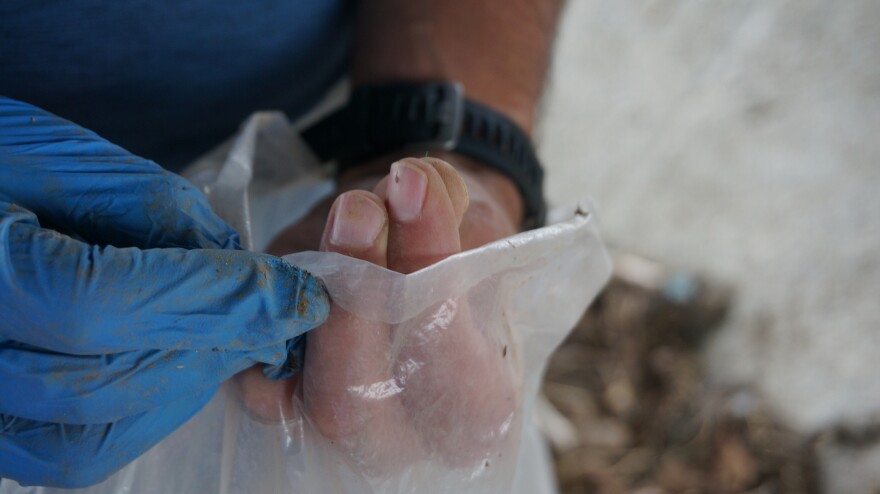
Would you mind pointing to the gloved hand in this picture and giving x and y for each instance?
(124, 302)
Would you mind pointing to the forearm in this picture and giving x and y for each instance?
(499, 49)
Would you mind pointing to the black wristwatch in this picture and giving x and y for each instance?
(380, 119)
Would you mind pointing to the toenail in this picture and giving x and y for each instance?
(357, 221)
(406, 191)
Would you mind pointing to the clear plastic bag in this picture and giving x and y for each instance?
(467, 341)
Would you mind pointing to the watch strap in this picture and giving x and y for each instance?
(380, 119)
(497, 142)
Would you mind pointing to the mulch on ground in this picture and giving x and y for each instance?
(639, 416)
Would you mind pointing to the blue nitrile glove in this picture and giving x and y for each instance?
(124, 302)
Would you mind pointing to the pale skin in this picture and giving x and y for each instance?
(413, 229)
(416, 214)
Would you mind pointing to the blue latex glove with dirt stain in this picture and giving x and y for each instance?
(124, 302)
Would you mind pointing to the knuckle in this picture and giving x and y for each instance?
(335, 419)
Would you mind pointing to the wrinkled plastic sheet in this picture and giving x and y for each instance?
(438, 423)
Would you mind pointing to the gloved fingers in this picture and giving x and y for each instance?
(77, 182)
(67, 296)
(78, 389)
(74, 456)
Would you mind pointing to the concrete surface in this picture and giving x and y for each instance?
(740, 138)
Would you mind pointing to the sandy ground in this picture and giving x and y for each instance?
(741, 139)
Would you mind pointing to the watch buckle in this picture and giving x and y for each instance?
(450, 118)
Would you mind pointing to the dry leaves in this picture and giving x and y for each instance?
(630, 381)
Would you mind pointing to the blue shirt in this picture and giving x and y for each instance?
(168, 79)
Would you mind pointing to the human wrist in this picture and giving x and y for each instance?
(499, 55)
(518, 106)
